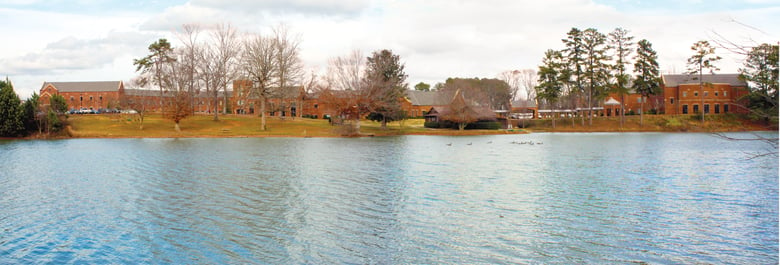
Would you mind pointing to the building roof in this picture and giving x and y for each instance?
(676, 80)
(427, 98)
(88, 86)
(611, 101)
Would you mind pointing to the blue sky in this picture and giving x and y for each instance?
(98, 39)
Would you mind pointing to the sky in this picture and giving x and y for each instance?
(97, 40)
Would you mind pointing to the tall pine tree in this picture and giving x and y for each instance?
(10, 111)
(647, 81)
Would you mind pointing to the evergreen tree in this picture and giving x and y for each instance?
(704, 58)
(552, 78)
(574, 55)
(621, 44)
(10, 111)
(647, 81)
(595, 68)
(30, 110)
(761, 72)
(386, 81)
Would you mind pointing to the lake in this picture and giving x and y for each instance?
(568, 198)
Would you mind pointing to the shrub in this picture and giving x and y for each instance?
(484, 125)
(431, 124)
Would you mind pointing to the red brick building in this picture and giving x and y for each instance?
(90, 95)
(721, 93)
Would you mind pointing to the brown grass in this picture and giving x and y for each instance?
(127, 126)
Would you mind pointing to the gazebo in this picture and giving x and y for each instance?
(612, 106)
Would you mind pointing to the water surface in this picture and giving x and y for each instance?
(569, 198)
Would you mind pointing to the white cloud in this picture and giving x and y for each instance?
(436, 39)
(318, 7)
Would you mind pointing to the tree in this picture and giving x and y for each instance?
(10, 110)
(30, 109)
(346, 75)
(386, 84)
(460, 112)
(219, 65)
(621, 44)
(703, 58)
(647, 81)
(154, 63)
(761, 72)
(422, 87)
(596, 71)
(259, 61)
(288, 62)
(136, 98)
(491, 93)
(58, 104)
(575, 60)
(552, 78)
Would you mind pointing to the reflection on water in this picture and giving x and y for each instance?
(570, 198)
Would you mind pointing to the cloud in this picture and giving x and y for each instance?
(318, 7)
(71, 53)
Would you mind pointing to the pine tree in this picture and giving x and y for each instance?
(596, 70)
(621, 43)
(647, 81)
(704, 58)
(552, 78)
(10, 111)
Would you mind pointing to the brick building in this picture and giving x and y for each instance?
(93, 95)
(721, 93)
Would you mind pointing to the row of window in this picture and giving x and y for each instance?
(706, 93)
(706, 108)
(82, 98)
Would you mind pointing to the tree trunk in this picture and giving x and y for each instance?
(590, 108)
(642, 111)
(384, 122)
(262, 113)
(622, 109)
(216, 106)
(553, 118)
(176, 127)
(462, 126)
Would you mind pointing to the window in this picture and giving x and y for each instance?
(81, 99)
(717, 108)
(706, 93)
(685, 93)
(716, 93)
(706, 108)
(725, 108)
(695, 108)
(316, 105)
(685, 109)
(71, 98)
(101, 98)
(90, 98)
(695, 94)
(671, 100)
(725, 94)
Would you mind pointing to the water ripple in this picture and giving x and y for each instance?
(654, 198)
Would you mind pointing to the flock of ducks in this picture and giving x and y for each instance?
(513, 142)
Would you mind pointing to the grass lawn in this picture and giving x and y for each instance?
(154, 126)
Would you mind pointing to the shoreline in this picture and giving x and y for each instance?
(464, 134)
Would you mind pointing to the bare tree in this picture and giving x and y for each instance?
(288, 63)
(187, 73)
(137, 98)
(512, 78)
(219, 65)
(347, 74)
(259, 63)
